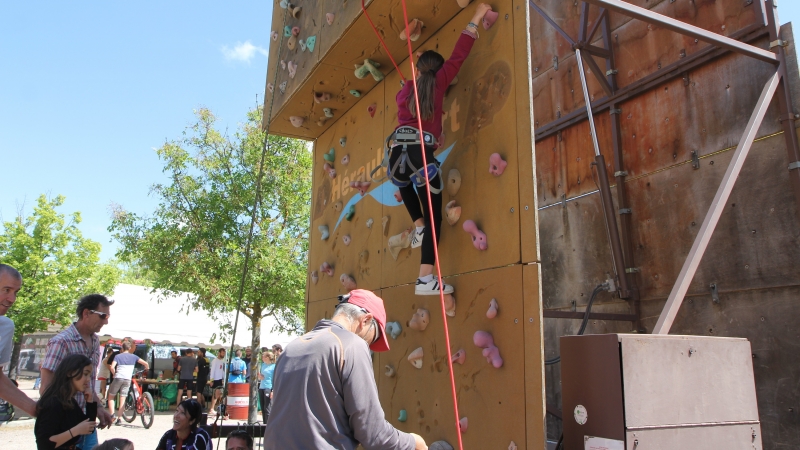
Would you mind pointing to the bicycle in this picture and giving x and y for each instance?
(138, 402)
(7, 409)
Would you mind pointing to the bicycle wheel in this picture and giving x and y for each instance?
(148, 410)
(129, 412)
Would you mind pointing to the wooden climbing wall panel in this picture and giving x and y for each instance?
(491, 399)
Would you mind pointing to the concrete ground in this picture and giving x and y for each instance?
(18, 434)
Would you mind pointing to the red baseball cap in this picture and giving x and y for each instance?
(373, 305)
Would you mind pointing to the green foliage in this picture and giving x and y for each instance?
(57, 263)
(195, 240)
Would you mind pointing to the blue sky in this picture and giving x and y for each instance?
(89, 89)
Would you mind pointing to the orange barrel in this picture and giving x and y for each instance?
(238, 400)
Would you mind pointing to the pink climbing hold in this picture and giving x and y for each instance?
(419, 321)
(329, 17)
(371, 109)
(489, 19)
(274, 35)
(459, 357)
(497, 165)
(270, 87)
(463, 423)
(414, 30)
(292, 69)
(326, 268)
(348, 282)
(452, 212)
(320, 97)
(296, 30)
(362, 186)
(346, 239)
(491, 313)
(297, 121)
(314, 277)
(485, 341)
(478, 236)
(346, 161)
(331, 171)
(398, 197)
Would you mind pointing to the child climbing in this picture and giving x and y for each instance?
(434, 75)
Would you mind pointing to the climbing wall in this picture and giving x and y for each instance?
(354, 236)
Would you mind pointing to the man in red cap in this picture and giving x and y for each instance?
(325, 392)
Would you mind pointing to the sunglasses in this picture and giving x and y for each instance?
(102, 315)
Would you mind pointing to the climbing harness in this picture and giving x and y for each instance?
(405, 136)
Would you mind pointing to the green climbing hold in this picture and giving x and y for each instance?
(330, 156)
(355, 93)
(311, 41)
(403, 415)
(350, 213)
(287, 31)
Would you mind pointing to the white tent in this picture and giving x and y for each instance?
(137, 314)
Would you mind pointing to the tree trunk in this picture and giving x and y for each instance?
(255, 365)
(12, 368)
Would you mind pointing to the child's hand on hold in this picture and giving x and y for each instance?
(480, 11)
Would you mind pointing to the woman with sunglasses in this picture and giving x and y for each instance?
(185, 434)
(60, 421)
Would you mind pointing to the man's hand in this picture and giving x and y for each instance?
(419, 443)
(102, 414)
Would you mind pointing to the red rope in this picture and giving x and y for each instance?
(433, 229)
(364, 8)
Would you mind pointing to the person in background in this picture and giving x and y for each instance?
(176, 360)
(217, 376)
(115, 444)
(103, 374)
(10, 284)
(81, 338)
(239, 440)
(123, 367)
(202, 375)
(238, 369)
(186, 368)
(248, 359)
(60, 421)
(265, 387)
(185, 434)
(277, 349)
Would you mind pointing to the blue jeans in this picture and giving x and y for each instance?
(88, 441)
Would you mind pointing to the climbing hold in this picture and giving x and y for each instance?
(348, 282)
(324, 230)
(311, 41)
(320, 97)
(282, 87)
(328, 112)
(453, 182)
(459, 357)
(355, 93)
(283, 64)
(403, 415)
(496, 164)
(270, 87)
(455, 80)
(398, 197)
(400, 241)
(294, 10)
(489, 19)
(420, 320)
(440, 445)
(326, 268)
(284, 4)
(331, 171)
(452, 212)
(274, 35)
(370, 222)
(321, 121)
(343, 141)
(478, 236)
(314, 277)
(491, 313)
(329, 17)
(372, 67)
(384, 223)
(450, 305)
(297, 121)
(362, 186)
(485, 341)
(345, 161)
(414, 30)
(330, 156)
(350, 213)
(371, 109)
(463, 423)
(346, 240)
(415, 358)
(291, 42)
(337, 206)
(292, 69)
(512, 446)
(364, 256)
(302, 44)
(394, 329)
(287, 31)
(463, 3)
(295, 31)
(389, 371)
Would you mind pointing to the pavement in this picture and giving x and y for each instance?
(18, 434)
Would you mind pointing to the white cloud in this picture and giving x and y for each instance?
(243, 51)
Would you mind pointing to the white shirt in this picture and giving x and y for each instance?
(217, 369)
(6, 340)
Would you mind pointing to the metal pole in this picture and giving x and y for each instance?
(588, 103)
(715, 211)
(686, 29)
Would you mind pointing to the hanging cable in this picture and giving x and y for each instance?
(433, 230)
(598, 289)
(380, 38)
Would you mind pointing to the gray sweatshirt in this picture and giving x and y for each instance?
(325, 396)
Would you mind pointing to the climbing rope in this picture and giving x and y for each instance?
(380, 38)
(433, 230)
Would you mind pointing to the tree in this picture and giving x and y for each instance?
(195, 240)
(58, 266)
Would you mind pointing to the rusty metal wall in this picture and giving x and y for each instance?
(753, 255)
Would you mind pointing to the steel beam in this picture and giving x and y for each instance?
(715, 211)
(686, 29)
(551, 22)
(551, 314)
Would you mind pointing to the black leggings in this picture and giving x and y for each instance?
(265, 404)
(416, 200)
